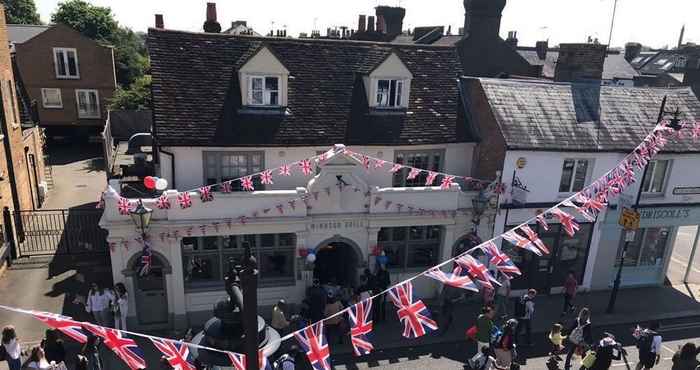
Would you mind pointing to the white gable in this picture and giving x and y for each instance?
(262, 65)
(392, 67)
(264, 62)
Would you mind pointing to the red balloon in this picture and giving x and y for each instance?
(149, 182)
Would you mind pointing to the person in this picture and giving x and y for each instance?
(606, 351)
(489, 296)
(685, 358)
(121, 306)
(580, 335)
(279, 319)
(524, 312)
(450, 296)
(99, 305)
(13, 348)
(164, 364)
(649, 345)
(53, 347)
(81, 363)
(502, 295)
(334, 324)
(504, 348)
(484, 327)
(382, 281)
(364, 291)
(317, 301)
(483, 360)
(92, 353)
(556, 339)
(570, 288)
(37, 360)
(288, 360)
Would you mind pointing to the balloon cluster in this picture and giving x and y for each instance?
(157, 183)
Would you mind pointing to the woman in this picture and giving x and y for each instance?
(99, 305)
(12, 348)
(92, 353)
(53, 347)
(685, 358)
(607, 351)
(121, 306)
(580, 336)
(37, 360)
(334, 324)
(505, 346)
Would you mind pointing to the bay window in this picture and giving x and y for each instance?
(411, 247)
(224, 166)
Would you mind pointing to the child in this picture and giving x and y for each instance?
(557, 340)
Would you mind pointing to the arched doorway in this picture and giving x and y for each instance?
(150, 291)
(337, 260)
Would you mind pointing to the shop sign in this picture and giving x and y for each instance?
(518, 192)
(686, 190)
(629, 219)
(665, 214)
(338, 225)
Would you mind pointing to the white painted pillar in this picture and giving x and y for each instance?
(372, 241)
(176, 285)
(448, 241)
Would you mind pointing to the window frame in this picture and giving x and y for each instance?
(399, 178)
(640, 245)
(265, 92)
(43, 98)
(572, 180)
(406, 244)
(65, 61)
(219, 165)
(97, 99)
(400, 86)
(664, 181)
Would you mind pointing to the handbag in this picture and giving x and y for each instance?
(471, 332)
(589, 359)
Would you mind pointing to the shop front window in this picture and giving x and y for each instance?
(207, 259)
(411, 247)
(647, 249)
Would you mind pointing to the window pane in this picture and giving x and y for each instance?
(201, 268)
(252, 240)
(257, 97)
(633, 250)
(190, 244)
(434, 232)
(287, 239)
(271, 83)
(399, 233)
(423, 255)
(384, 234)
(267, 240)
(646, 182)
(256, 84)
(60, 63)
(383, 92)
(210, 242)
(395, 254)
(566, 175)
(657, 184)
(399, 92)
(392, 93)
(417, 232)
(276, 264)
(72, 64)
(654, 247)
(274, 98)
(580, 176)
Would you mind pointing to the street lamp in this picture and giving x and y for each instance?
(141, 216)
(479, 204)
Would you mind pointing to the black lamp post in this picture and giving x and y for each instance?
(479, 204)
(141, 216)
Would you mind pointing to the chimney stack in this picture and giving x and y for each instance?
(541, 49)
(692, 73)
(632, 50)
(159, 21)
(211, 25)
(512, 39)
(390, 19)
(380, 24)
(482, 18)
(362, 23)
(370, 23)
(580, 62)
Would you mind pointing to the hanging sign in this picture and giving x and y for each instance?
(521, 163)
(629, 219)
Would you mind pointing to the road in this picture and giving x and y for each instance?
(681, 255)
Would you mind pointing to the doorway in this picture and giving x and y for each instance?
(336, 264)
(151, 294)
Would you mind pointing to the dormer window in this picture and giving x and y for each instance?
(390, 93)
(264, 90)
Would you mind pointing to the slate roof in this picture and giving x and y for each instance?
(196, 93)
(615, 67)
(664, 61)
(541, 115)
(19, 33)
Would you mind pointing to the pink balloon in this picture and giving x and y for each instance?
(149, 182)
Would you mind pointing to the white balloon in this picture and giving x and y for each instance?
(161, 184)
(311, 258)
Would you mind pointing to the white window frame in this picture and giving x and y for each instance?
(65, 61)
(266, 93)
(77, 103)
(572, 181)
(651, 173)
(44, 90)
(400, 86)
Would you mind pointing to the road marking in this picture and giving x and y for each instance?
(683, 263)
(668, 349)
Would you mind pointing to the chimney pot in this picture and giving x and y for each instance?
(541, 48)
(380, 24)
(632, 50)
(370, 23)
(512, 39)
(362, 23)
(159, 21)
(211, 25)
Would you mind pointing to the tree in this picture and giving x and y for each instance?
(130, 56)
(95, 22)
(137, 97)
(21, 12)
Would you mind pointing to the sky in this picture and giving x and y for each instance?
(651, 22)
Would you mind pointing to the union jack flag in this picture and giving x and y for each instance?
(285, 170)
(226, 187)
(477, 270)
(163, 202)
(413, 174)
(64, 324)
(446, 182)
(541, 220)
(413, 314)
(534, 238)
(124, 206)
(125, 348)
(313, 341)
(306, 167)
(521, 242)
(238, 360)
(501, 260)
(205, 194)
(431, 178)
(395, 168)
(567, 221)
(590, 204)
(177, 353)
(247, 183)
(365, 162)
(361, 325)
(582, 211)
(457, 278)
(184, 199)
(379, 163)
(266, 177)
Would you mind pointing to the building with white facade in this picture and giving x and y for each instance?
(552, 139)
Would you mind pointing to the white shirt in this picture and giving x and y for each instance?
(99, 302)
(13, 349)
(529, 309)
(123, 303)
(43, 364)
(656, 344)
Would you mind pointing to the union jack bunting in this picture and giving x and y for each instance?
(266, 177)
(205, 194)
(590, 204)
(534, 238)
(238, 360)
(430, 178)
(521, 242)
(395, 168)
(226, 187)
(446, 182)
(477, 270)
(124, 206)
(306, 167)
(280, 208)
(292, 204)
(163, 202)
(125, 348)
(64, 324)
(413, 314)
(184, 199)
(378, 163)
(176, 353)
(501, 260)
(313, 341)
(413, 174)
(567, 221)
(457, 278)
(365, 162)
(285, 170)
(247, 183)
(542, 221)
(583, 212)
(360, 327)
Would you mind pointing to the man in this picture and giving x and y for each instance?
(502, 295)
(524, 311)
(570, 288)
(484, 326)
(317, 301)
(649, 345)
(382, 281)
(279, 318)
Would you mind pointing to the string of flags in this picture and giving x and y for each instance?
(467, 273)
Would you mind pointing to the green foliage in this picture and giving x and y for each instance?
(130, 56)
(21, 12)
(136, 97)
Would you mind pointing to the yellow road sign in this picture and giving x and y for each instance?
(629, 219)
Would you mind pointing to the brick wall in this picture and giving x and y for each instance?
(491, 150)
(578, 62)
